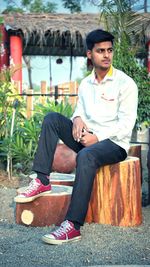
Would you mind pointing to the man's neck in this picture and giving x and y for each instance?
(101, 73)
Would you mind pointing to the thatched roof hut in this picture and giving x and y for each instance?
(52, 34)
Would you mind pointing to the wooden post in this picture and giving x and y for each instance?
(29, 103)
(43, 91)
(56, 95)
(4, 53)
(16, 59)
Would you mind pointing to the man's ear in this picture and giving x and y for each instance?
(88, 53)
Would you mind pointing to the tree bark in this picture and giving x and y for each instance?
(116, 195)
(46, 210)
(27, 61)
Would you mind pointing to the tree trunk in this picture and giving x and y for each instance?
(116, 195)
(27, 61)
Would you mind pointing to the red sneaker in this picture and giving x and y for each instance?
(65, 233)
(34, 190)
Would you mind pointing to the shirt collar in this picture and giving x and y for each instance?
(109, 75)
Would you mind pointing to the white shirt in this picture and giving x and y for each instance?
(109, 108)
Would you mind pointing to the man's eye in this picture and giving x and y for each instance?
(101, 51)
(110, 50)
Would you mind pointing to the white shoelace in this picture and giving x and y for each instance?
(63, 229)
(32, 186)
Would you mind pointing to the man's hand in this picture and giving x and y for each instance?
(88, 139)
(78, 126)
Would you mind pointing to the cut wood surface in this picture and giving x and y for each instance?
(58, 178)
(46, 210)
(62, 178)
(116, 195)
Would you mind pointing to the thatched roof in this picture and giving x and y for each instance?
(60, 34)
(52, 34)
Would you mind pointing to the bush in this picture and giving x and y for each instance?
(125, 60)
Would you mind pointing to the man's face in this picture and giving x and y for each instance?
(101, 55)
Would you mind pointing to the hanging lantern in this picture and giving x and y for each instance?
(59, 61)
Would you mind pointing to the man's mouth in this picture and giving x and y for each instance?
(106, 61)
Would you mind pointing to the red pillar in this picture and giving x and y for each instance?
(16, 59)
(148, 62)
(4, 53)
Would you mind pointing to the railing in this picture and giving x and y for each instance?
(57, 93)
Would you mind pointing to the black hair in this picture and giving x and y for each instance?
(98, 36)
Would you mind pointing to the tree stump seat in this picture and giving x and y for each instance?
(46, 210)
(116, 194)
(115, 198)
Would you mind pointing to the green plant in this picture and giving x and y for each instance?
(125, 60)
(63, 107)
(23, 144)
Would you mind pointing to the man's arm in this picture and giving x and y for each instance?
(78, 118)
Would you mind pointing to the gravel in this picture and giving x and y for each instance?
(100, 244)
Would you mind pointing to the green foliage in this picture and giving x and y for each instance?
(72, 5)
(7, 92)
(125, 60)
(35, 6)
(63, 108)
(23, 144)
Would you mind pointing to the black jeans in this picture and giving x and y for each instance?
(55, 126)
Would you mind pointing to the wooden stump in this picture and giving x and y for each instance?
(62, 178)
(64, 159)
(46, 210)
(116, 195)
(57, 178)
(135, 151)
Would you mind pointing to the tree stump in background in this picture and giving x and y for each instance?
(62, 178)
(135, 151)
(45, 210)
(64, 159)
(116, 195)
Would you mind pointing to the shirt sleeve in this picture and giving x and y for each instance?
(127, 113)
(79, 110)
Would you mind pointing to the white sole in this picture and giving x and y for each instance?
(18, 199)
(59, 242)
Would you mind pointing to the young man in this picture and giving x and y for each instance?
(99, 132)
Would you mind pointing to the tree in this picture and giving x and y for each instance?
(72, 5)
(35, 6)
(124, 16)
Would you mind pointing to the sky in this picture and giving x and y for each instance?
(60, 72)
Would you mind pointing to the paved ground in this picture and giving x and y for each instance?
(100, 244)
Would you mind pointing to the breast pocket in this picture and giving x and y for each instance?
(108, 106)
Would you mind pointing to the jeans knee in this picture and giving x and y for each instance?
(85, 157)
(51, 117)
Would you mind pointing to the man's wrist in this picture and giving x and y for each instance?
(76, 117)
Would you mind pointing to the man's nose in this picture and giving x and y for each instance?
(106, 53)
